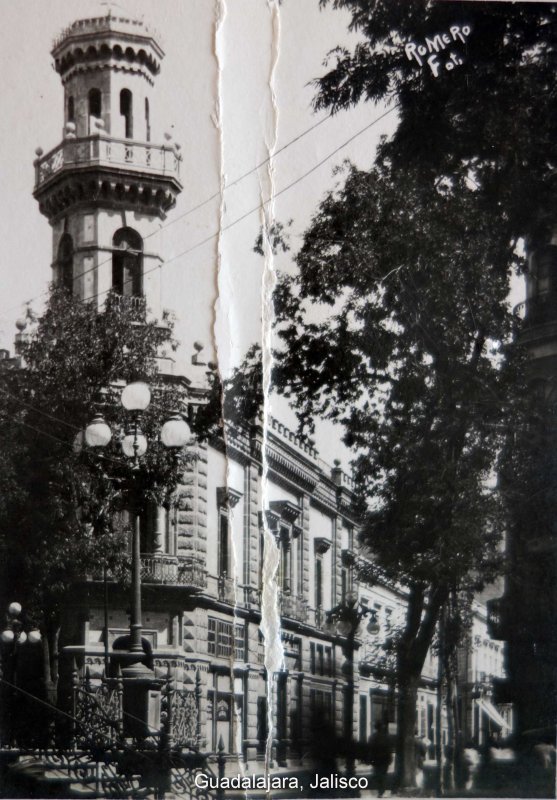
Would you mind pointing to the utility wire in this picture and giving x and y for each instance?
(203, 202)
(266, 202)
(227, 186)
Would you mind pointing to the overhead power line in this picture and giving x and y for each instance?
(237, 180)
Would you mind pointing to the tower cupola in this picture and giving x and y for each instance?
(107, 65)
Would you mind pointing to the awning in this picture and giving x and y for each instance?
(489, 709)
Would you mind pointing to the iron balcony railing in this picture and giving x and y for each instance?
(173, 570)
(102, 150)
(496, 617)
(293, 607)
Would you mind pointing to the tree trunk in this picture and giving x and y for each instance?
(50, 637)
(421, 618)
(406, 745)
(451, 731)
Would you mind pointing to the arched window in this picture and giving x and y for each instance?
(71, 109)
(95, 106)
(147, 121)
(127, 262)
(65, 263)
(126, 112)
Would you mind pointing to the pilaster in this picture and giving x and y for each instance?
(305, 547)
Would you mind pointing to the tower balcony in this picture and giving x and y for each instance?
(102, 150)
(101, 169)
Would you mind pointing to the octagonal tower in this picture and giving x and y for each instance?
(106, 187)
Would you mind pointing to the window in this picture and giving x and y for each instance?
(95, 106)
(343, 583)
(321, 659)
(388, 620)
(127, 262)
(147, 122)
(318, 582)
(261, 557)
(285, 560)
(71, 109)
(321, 707)
(225, 639)
(126, 103)
(147, 527)
(65, 263)
(224, 545)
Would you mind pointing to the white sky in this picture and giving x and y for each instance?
(185, 102)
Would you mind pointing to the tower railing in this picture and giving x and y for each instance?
(102, 150)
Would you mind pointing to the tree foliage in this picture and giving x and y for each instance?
(412, 290)
(59, 501)
(493, 116)
(396, 326)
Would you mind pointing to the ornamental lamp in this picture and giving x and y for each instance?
(134, 444)
(373, 625)
(97, 433)
(329, 626)
(344, 627)
(14, 609)
(175, 433)
(136, 396)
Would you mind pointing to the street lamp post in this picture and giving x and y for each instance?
(174, 435)
(12, 638)
(344, 620)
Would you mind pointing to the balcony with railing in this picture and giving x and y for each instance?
(186, 571)
(101, 150)
(292, 607)
(538, 310)
(496, 618)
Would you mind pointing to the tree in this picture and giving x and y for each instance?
(408, 351)
(59, 502)
(491, 117)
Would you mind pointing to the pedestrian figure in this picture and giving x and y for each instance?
(420, 748)
(380, 755)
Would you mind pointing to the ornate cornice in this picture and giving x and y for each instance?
(286, 510)
(321, 545)
(107, 188)
(227, 497)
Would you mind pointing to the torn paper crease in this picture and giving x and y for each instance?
(270, 614)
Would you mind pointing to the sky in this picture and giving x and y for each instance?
(235, 85)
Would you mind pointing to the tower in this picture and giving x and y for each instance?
(106, 186)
